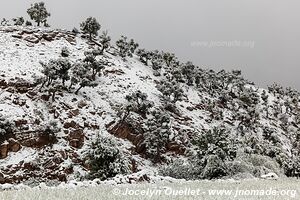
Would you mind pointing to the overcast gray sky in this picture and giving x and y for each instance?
(260, 37)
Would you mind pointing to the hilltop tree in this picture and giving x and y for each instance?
(38, 13)
(156, 60)
(144, 55)
(4, 22)
(19, 21)
(126, 48)
(28, 23)
(90, 26)
(169, 58)
(188, 72)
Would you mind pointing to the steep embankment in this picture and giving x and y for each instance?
(262, 122)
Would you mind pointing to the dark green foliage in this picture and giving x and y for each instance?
(92, 64)
(6, 128)
(38, 13)
(156, 59)
(144, 56)
(65, 52)
(75, 31)
(106, 159)
(188, 71)
(28, 23)
(156, 136)
(172, 92)
(81, 76)
(4, 22)
(217, 142)
(214, 147)
(126, 48)
(138, 103)
(169, 58)
(105, 41)
(90, 26)
(19, 21)
(56, 69)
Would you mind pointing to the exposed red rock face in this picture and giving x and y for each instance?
(49, 167)
(3, 150)
(13, 145)
(37, 139)
(76, 138)
(36, 36)
(135, 136)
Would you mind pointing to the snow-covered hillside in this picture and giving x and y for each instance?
(214, 124)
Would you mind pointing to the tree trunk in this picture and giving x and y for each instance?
(53, 95)
(78, 89)
(70, 87)
(43, 85)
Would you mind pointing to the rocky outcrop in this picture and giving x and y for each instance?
(76, 138)
(35, 36)
(11, 145)
(32, 39)
(3, 150)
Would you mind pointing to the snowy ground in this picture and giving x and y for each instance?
(208, 190)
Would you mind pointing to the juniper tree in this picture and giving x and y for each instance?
(144, 56)
(138, 103)
(156, 136)
(4, 22)
(188, 71)
(156, 59)
(172, 92)
(6, 128)
(54, 70)
(28, 23)
(38, 13)
(90, 26)
(49, 71)
(65, 52)
(91, 63)
(81, 76)
(19, 21)
(169, 58)
(126, 48)
(105, 159)
(214, 147)
(105, 41)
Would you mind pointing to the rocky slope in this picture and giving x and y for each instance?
(266, 122)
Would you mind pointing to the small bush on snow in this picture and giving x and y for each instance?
(178, 169)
